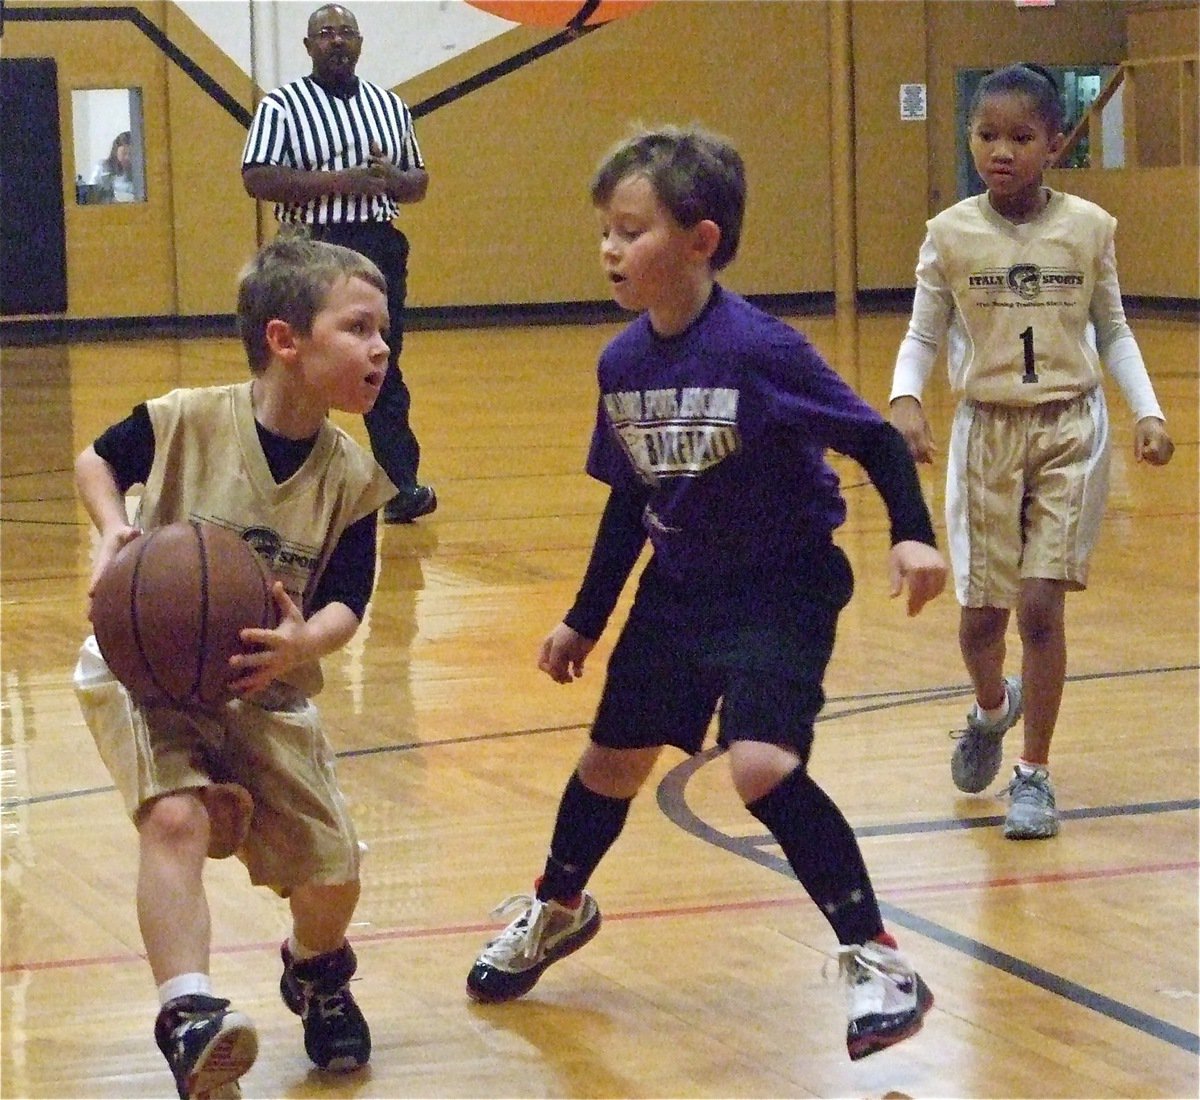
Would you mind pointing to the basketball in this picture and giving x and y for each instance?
(168, 610)
(559, 13)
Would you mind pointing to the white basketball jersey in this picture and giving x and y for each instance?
(1021, 332)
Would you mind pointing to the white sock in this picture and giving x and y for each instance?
(182, 985)
(1027, 769)
(299, 951)
(996, 713)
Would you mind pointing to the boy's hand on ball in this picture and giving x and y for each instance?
(110, 545)
(271, 653)
(922, 568)
(1151, 443)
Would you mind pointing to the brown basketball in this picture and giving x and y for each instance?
(168, 610)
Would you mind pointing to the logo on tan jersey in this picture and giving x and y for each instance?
(266, 544)
(1025, 281)
(290, 562)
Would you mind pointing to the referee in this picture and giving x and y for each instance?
(339, 154)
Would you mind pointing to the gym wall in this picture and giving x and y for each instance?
(507, 222)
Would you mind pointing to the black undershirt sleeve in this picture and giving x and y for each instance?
(128, 447)
(349, 574)
(883, 453)
(619, 540)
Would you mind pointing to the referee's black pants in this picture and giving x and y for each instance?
(392, 440)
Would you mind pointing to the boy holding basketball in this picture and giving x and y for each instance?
(711, 430)
(254, 777)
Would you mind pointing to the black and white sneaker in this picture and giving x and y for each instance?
(207, 1046)
(317, 990)
(886, 1000)
(544, 932)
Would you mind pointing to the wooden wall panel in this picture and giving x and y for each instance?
(216, 225)
(507, 220)
(891, 157)
(1158, 263)
(1163, 29)
(508, 217)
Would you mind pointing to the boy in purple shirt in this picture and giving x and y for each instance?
(711, 430)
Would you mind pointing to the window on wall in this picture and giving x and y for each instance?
(1080, 85)
(1080, 89)
(110, 162)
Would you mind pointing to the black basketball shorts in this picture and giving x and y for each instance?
(759, 655)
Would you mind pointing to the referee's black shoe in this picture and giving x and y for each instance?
(410, 505)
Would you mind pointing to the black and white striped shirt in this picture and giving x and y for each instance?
(300, 125)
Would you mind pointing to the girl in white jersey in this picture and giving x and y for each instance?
(1023, 281)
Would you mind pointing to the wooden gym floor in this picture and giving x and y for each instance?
(1065, 968)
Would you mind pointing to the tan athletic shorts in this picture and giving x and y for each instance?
(266, 774)
(1025, 493)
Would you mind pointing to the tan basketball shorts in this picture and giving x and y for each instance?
(293, 828)
(1025, 493)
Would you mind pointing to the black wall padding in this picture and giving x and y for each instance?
(33, 243)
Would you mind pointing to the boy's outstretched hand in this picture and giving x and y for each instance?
(1151, 442)
(922, 568)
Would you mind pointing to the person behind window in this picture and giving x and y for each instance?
(114, 174)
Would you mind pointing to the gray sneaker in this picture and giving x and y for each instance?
(977, 756)
(1032, 814)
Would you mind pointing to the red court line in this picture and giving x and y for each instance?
(651, 914)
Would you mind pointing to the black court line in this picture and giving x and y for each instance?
(879, 700)
(9, 804)
(1053, 983)
(672, 801)
(958, 824)
(501, 69)
(572, 32)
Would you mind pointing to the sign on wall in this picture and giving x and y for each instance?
(912, 103)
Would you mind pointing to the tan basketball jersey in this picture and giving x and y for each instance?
(209, 465)
(1020, 334)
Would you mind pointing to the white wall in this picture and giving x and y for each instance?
(98, 115)
(1112, 126)
(401, 38)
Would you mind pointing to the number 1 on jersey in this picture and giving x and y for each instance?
(1030, 374)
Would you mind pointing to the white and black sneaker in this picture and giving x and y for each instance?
(207, 1045)
(886, 1000)
(544, 932)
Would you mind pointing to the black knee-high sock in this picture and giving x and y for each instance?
(821, 848)
(585, 829)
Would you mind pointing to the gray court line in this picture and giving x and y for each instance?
(672, 800)
(878, 700)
